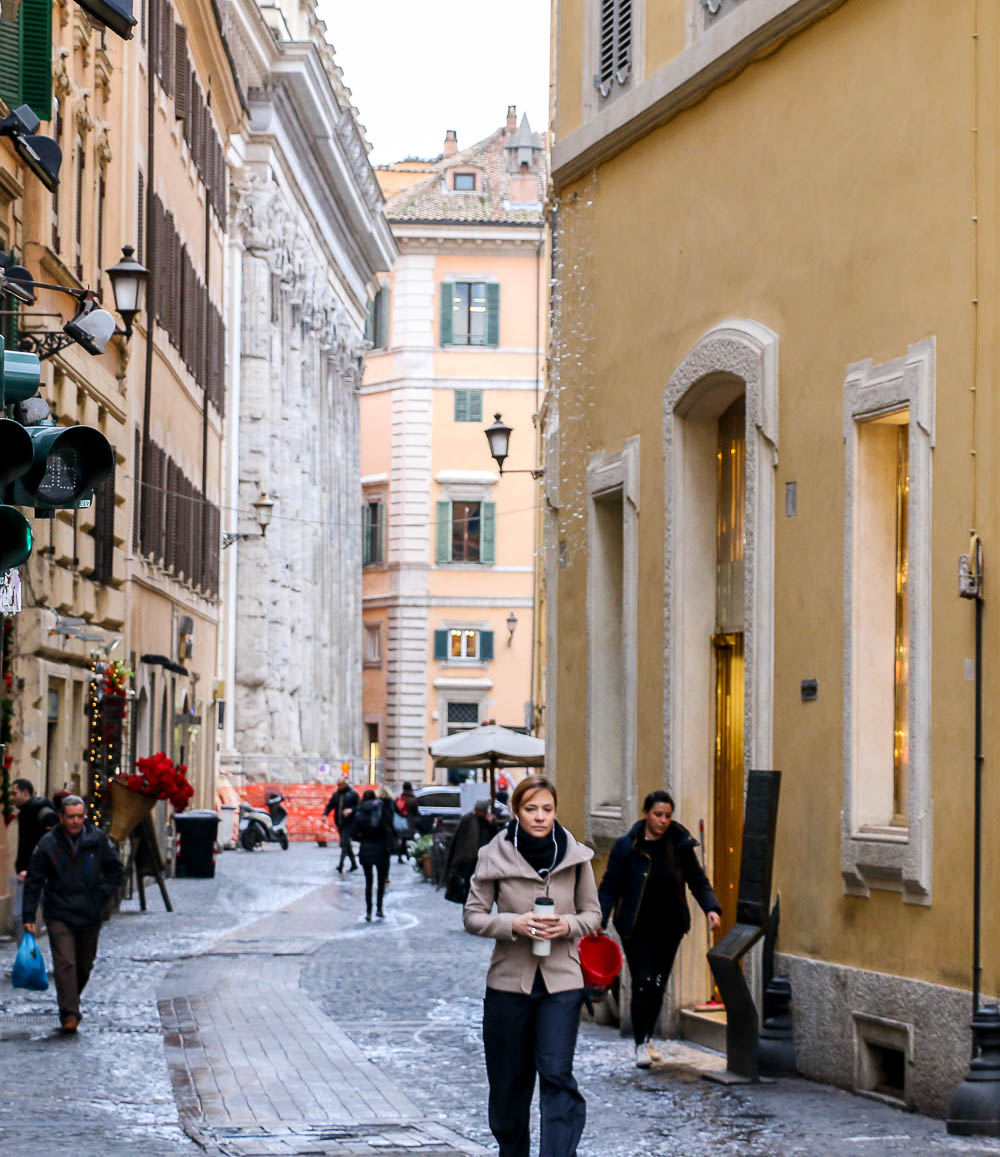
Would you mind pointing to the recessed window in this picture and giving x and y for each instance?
(463, 644)
(466, 532)
(468, 405)
(462, 717)
(373, 533)
(373, 645)
(464, 182)
(470, 313)
(614, 65)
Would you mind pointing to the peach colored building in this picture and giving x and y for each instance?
(457, 333)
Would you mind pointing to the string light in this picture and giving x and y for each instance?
(107, 718)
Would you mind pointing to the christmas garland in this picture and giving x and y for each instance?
(7, 716)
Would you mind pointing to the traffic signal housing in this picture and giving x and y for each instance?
(16, 455)
(67, 463)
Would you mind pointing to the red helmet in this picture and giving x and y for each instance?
(600, 960)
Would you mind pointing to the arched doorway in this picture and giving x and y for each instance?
(720, 442)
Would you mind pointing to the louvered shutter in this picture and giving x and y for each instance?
(167, 47)
(447, 312)
(182, 73)
(623, 41)
(441, 645)
(35, 22)
(136, 489)
(170, 551)
(104, 528)
(366, 534)
(461, 405)
(140, 246)
(488, 535)
(10, 69)
(170, 274)
(475, 405)
(213, 547)
(493, 314)
(606, 52)
(443, 553)
(486, 646)
(382, 337)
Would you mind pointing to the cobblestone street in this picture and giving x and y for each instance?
(266, 1017)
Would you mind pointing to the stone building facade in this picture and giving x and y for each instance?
(309, 237)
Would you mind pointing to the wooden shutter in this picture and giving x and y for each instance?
(382, 337)
(475, 406)
(441, 645)
(35, 25)
(447, 312)
(487, 533)
(104, 529)
(366, 534)
(381, 511)
(136, 489)
(623, 41)
(443, 553)
(182, 73)
(492, 314)
(140, 244)
(167, 47)
(170, 511)
(461, 405)
(10, 69)
(486, 646)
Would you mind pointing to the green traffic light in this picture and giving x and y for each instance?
(15, 538)
(68, 462)
(22, 375)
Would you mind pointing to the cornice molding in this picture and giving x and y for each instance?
(755, 29)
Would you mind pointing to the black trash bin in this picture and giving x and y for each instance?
(194, 848)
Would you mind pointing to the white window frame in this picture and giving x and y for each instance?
(464, 631)
(372, 657)
(896, 860)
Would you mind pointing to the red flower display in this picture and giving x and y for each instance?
(158, 776)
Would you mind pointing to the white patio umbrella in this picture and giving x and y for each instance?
(490, 746)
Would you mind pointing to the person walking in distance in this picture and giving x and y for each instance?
(36, 815)
(374, 830)
(643, 887)
(80, 871)
(542, 884)
(343, 803)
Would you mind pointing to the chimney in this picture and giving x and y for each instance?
(450, 142)
(511, 119)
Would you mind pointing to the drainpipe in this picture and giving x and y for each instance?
(151, 285)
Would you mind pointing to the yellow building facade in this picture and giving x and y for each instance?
(457, 333)
(769, 430)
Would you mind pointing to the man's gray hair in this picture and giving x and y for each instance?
(482, 805)
(70, 801)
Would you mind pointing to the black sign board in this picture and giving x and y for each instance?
(756, 863)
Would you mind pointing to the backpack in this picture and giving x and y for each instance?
(370, 819)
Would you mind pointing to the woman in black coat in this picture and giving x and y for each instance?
(643, 887)
(373, 827)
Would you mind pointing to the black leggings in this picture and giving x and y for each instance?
(649, 964)
(382, 868)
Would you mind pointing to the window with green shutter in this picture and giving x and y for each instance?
(468, 405)
(485, 646)
(466, 532)
(447, 311)
(442, 553)
(372, 533)
(470, 313)
(488, 534)
(377, 321)
(493, 315)
(26, 58)
(441, 645)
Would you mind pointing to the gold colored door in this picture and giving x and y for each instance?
(728, 793)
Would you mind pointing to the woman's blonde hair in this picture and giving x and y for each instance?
(528, 786)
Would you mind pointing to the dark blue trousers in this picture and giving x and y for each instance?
(525, 1035)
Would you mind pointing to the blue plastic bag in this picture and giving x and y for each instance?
(29, 967)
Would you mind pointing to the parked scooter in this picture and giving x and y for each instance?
(258, 826)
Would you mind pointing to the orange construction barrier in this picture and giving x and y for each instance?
(304, 803)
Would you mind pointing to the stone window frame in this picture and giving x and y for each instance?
(593, 102)
(879, 858)
(607, 473)
(373, 628)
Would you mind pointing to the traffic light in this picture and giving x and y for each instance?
(15, 530)
(67, 463)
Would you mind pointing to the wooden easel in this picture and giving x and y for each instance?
(143, 845)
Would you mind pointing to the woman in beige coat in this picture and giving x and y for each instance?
(532, 1008)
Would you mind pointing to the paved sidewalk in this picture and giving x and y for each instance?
(259, 1069)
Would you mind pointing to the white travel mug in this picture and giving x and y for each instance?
(543, 906)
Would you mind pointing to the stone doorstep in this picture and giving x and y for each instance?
(704, 1028)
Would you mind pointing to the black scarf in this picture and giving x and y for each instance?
(542, 854)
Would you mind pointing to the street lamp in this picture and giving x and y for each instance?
(498, 437)
(128, 285)
(264, 508)
(511, 627)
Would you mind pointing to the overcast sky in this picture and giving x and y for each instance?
(418, 67)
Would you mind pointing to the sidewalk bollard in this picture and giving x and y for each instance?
(776, 1046)
(974, 1110)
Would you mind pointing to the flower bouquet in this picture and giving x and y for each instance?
(134, 797)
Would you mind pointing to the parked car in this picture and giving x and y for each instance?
(444, 803)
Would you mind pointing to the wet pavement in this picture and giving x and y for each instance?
(265, 1016)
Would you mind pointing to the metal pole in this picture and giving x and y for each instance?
(977, 967)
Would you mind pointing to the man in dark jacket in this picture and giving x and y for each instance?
(35, 816)
(344, 803)
(80, 871)
(475, 830)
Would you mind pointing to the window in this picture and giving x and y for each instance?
(457, 644)
(466, 532)
(373, 533)
(373, 645)
(889, 437)
(377, 322)
(465, 182)
(470, 313)
(468, 405)
(614, 64)
(461, 717)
